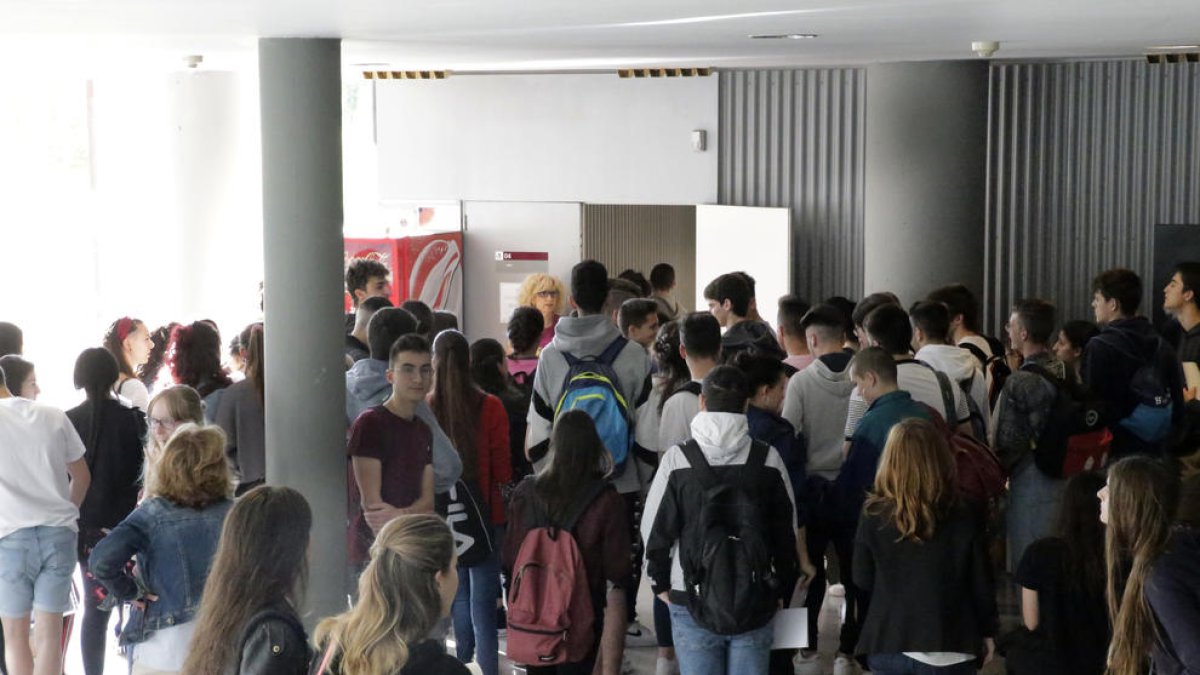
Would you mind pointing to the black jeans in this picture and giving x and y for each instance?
(820, 535)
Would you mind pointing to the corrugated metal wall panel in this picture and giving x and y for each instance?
(1084, 160)
(633, 236)
(795, 138)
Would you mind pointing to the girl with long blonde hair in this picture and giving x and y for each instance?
(405, 591)
(1153, 582)
(920, 555)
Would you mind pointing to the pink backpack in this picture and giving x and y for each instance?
(550, 612)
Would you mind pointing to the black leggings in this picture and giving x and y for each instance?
(94, 627)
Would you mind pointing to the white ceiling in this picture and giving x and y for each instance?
(571, 34)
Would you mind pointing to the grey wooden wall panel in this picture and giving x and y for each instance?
(795, 139)
(1084, 160)
(624, 236)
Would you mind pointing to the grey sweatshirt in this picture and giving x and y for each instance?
(585, 336)
(815, 403)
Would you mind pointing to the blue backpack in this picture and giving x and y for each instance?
(591, 385)
(1150, 420)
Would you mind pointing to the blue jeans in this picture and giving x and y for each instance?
(899, 664)
(474, 613)
(1033, 502)
(36, 564)
(702, 652)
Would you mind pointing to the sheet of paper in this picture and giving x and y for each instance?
(791, 629)
(509, 294)
(1191, 374)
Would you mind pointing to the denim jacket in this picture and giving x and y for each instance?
(174, 548)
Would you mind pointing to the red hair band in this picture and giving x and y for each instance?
(124, 327)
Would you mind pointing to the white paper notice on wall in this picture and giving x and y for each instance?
(791, 629)
(509, 299)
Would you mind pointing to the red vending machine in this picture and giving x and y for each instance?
(426, 268)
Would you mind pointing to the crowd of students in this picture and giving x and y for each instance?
(528, 492)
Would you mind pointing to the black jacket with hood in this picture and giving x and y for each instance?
(1109, 363)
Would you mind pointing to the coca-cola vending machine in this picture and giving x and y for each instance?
(426, 268)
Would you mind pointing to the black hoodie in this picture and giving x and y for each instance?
(750, 334)
(1109, 364)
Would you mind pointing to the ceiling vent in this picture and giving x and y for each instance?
(405, 74)
(1173, 57)
(664, 72)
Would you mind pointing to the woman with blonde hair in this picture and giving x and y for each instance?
(168, 410)
(547, 295)
(248, 622)
(920, 555)
(173, 535)
(405, 591)
(1153, 578)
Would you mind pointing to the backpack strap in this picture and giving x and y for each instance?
(977, 353)
(944, 383)
(699, 463)
(758, 454)
(1046, 374)
(582, 505)
(606, 357)
(708, 478)
(692, 387)
(612, 351)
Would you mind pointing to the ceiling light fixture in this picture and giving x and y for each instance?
(783, 36)
(1164, 47)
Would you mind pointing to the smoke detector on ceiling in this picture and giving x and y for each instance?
(193, 61)
(985, 48)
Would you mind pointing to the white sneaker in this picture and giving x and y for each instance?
(666, 666)
(637, 635)
(808, 664)
(837, 591)
(845, 665)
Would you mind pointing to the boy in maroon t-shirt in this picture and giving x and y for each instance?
(391, 449)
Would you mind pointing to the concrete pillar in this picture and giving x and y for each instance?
(300, 90)
(926, 160)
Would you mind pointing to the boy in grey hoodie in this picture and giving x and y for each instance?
(815, 403)
(585, 335)
(367, 386)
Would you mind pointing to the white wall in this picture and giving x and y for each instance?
(593, 138)
(755, 240)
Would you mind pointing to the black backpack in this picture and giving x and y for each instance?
(1076, 437)
(731, 584)
(1152, 417)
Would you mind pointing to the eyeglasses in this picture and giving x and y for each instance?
(548, 294)
(168, 423)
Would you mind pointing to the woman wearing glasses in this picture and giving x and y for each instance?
(168, 410)
(547, 295)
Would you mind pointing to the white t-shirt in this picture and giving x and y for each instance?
(37, 443)
(135, 394)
